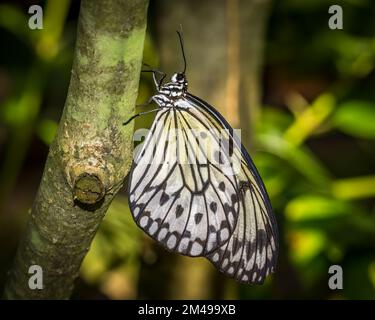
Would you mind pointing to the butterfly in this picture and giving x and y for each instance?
(194, 188)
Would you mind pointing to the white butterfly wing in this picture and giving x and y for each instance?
(177, 194)
(251, 252)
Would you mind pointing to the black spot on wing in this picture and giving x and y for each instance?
(213, 206)
(203, 135)
(234, 198)
(222, 186)
(198, 218)
(164, 198)
(179, 211)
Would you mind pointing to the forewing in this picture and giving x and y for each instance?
(178, 194)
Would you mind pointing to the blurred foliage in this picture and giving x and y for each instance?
(315, 146)
(356, 118)
(114, 253)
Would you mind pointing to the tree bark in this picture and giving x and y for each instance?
(91, 153)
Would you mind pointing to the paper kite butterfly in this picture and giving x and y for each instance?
(194, 188)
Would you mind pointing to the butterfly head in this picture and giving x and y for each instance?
(179, 78)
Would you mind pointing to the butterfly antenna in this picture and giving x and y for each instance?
(182, 47)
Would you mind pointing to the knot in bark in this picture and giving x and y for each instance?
(88, 189)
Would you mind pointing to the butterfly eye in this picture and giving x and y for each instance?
(178, 77)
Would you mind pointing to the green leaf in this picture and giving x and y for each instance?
(273, 121)
(300, 158)
(356, 118)
(14, 20)
(46, 130)
(315, 207)
(306, 245)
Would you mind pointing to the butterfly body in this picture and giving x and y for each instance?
(194, 188)
(170, 94)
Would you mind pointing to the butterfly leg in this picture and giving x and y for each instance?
(146, 103)
(157, 82)
(139, 114)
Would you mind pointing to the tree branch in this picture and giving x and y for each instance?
(91, 153)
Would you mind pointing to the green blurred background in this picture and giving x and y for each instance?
(313, 141)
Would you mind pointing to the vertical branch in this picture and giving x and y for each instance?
(91, 153)
(253, 20)
(233, 64)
